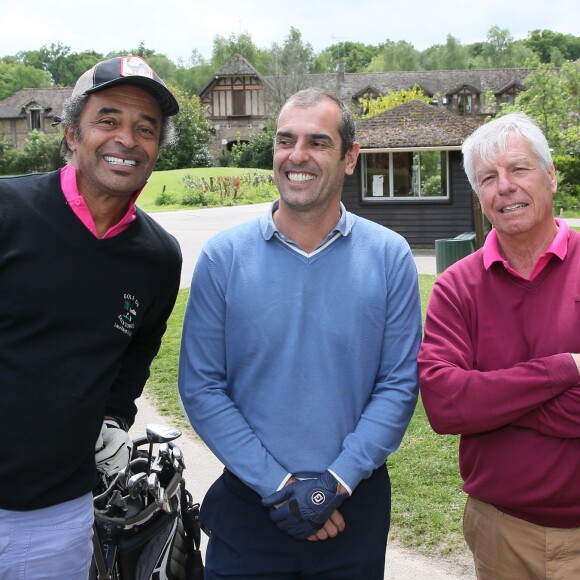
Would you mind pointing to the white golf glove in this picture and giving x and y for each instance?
(113, 448)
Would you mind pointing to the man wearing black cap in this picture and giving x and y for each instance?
(88, 281)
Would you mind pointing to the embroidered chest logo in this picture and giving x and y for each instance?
(125, 321)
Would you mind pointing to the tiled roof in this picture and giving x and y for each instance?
(235, 66)
(414, 124)
(442, 82)
(51, 100)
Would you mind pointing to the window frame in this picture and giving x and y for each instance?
(239, 103)
(35, 113)
(391, 198)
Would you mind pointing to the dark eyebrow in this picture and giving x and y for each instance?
(319, 136)
(110, 110)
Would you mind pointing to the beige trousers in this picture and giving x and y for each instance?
(507, 548)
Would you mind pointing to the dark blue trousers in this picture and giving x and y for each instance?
(246, 545)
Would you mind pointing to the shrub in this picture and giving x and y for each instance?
(257, 153)
(165, 198)
(251, 187)
(40, 152)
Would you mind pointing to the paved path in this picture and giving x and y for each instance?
(193, 227)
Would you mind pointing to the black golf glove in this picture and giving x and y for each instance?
(309, 503)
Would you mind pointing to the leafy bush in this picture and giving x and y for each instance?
(202, 158)
(568, 168)
(165, 198)
(225, 159)
(565, 201)
(224, 191)
(194, 135)
(568, 174)
(257, 153)
(8, 154)
(40, 152)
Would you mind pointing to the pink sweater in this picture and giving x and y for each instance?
(495, 367)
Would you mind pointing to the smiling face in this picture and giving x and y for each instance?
(118, 142)
(516, 192)
(308, 168)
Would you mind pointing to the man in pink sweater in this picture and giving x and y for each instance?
(499, 364)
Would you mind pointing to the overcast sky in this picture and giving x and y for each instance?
(176, 27)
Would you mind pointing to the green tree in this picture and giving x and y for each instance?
(242, 44)
(193, 76)
(501, 51)
(8, 154)
(395, 56)
(545, 43)
(16, 76)
(258, 153)
(63, 66)
(372, 107)
(355, 55)
(40, 152)
(289, 64)
(194, 133)
(449, 56)
(293, 57)
(546, 100)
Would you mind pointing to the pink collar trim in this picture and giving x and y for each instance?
(558, 247)
(68, 182)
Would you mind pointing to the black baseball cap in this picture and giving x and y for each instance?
(131, 70)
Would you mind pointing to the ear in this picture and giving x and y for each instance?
(351, 158)
(70, 138)
(553, 180)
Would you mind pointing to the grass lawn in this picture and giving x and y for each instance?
(172, 181)
(427, 502)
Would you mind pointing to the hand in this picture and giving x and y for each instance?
(305, 506)
(333, 526)
(576, 358)
(113, 448)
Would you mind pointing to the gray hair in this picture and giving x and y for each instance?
(71, 118)
(489, 139)
(310, 97)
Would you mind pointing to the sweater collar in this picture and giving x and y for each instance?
(343, 227)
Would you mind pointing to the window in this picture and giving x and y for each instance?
(405, 175)
(464, 104)
(239, 102)
(35, 119)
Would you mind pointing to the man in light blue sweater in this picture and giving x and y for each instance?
(298, 366)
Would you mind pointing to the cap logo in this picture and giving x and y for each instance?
(133, 66)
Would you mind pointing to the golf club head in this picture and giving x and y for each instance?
(178, 456)
(154, 487)
(161, 433)
(136, 484)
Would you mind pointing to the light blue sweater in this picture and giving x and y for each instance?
(295, 363)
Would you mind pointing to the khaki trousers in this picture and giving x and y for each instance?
(507, 548)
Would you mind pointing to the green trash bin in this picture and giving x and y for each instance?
(450, 250)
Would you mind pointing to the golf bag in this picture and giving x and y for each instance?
(146, 523)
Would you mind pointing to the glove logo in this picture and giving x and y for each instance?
(318, 497)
